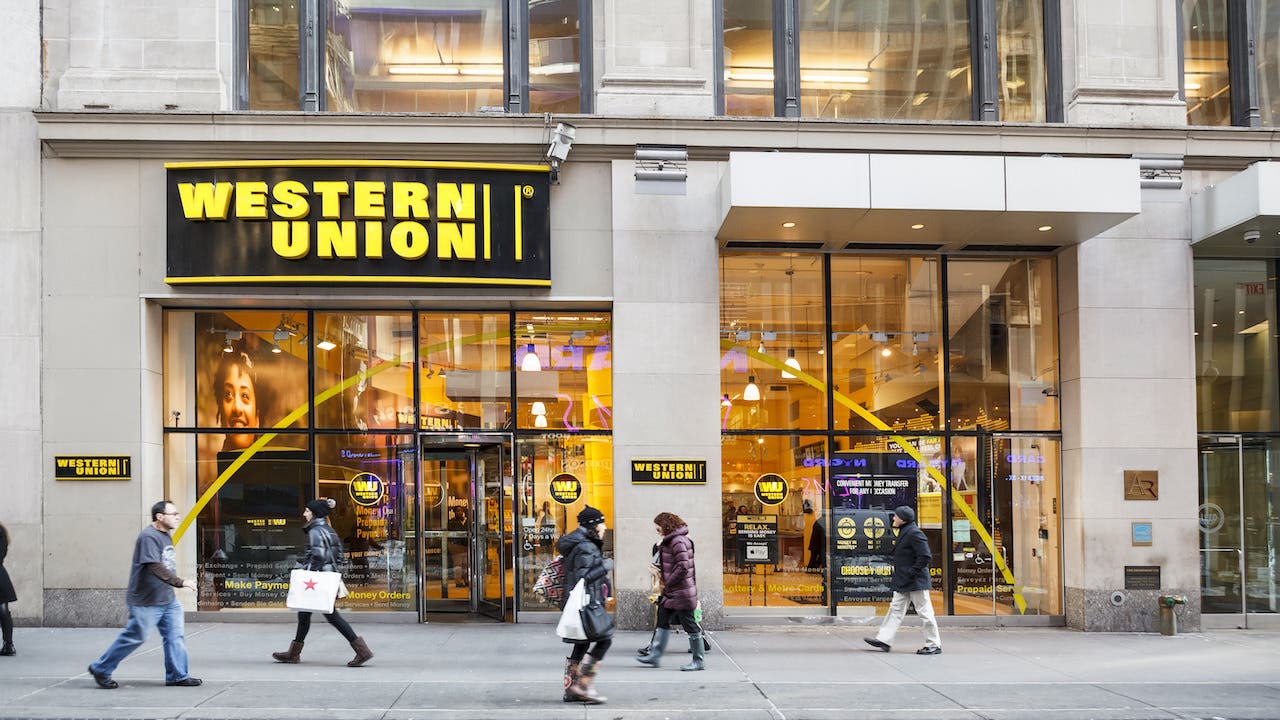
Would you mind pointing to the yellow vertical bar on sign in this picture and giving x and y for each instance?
(519, 225)
(486, 221)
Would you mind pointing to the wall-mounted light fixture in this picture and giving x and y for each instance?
(662, 169)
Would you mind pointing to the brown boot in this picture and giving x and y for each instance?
(571, 676)
(293, 656)
(363, 653)
(585, 690)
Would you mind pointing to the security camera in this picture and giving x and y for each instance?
(1251, 236)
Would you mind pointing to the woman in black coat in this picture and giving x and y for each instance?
(7, 595)
(679, 592)
(322, 554)
(583, 559)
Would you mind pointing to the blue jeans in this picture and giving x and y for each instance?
(142, 620)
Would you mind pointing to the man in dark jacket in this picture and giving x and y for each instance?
(910, 584)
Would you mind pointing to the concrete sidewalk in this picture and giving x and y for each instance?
(461, 671)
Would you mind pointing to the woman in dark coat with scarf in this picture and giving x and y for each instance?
(679, 591)
(584, 560)
(7, 595)
(322, 554)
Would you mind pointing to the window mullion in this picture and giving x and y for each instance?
(986, 87)
(586, 68)
(786, 58)
(310, 57)
(1242, 65)
(515, 55)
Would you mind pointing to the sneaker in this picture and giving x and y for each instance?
(883, 646)
(104, 681)
(187, 681)
(929, 650)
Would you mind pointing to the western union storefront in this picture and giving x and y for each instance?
(463, 355)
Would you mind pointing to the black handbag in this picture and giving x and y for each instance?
(597, 623)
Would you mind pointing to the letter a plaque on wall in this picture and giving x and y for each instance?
(335, 222)
(1141, 485)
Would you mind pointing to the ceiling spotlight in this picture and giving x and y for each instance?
(885, 351)
(918, 226)
(788, 224)
(275, 350)
(1045, 228)
(326, 344)
(226, 345)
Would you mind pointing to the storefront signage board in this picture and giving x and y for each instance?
(862, 546)
(668, 472)
(92, 467)
(757, 539)
(1141, 577)
(332, 222)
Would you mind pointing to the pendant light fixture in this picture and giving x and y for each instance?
(791, 360)
(752, 391)
(530, 363)
(540, 421)
(538, 408)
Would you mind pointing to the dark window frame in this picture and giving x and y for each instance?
(982, 43)
(312, 18)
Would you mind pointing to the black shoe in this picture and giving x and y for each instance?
(104, 681)
(187, 681)
(8, 649)
(884, 647)
(929, 650)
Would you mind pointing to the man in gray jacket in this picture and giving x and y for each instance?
(910, 584)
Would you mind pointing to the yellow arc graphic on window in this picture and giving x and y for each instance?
(957, 500)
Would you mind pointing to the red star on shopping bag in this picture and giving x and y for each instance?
(311, 584)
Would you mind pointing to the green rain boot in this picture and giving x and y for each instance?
(658, 647)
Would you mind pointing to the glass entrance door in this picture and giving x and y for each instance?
(466, 529)
(1239, 525)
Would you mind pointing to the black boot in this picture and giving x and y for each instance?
(8, 648)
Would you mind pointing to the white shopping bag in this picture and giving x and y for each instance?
(313, 590)
(570, 627)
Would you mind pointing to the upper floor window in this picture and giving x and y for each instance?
(887, 59)
(416, 56)
(1231, 62)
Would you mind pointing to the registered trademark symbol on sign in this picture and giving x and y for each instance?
(528, 191)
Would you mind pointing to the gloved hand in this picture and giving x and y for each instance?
(608, 564)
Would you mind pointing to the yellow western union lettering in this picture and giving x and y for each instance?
(487, 254)
(409, 240)
(205, 201)
(456, 201)
(369, 199)
(409, 199)
(456, 240)
(62, 462)
(519, 223)
(291, 240)
(331, 193)
(291, 201)
(336, 239)
(251, 200)
(373, 240)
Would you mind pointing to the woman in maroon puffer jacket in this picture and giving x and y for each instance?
(679, 591)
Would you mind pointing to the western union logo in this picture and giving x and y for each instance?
(771, 489)
(366, 489)
(565, 489)
(92, 467)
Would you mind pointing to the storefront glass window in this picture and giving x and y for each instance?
(1002, 317)
(559, 476)
(1206, 78)
(250, 372)
(886, 342)
(564, 375)
(372, 477)
(774, 495)
(772, 325)
(273, 55)
(554, 62)
(1022, 61)
(885, 59)
(1235, 341)
(870, 476)
(748, 58)
(425, 56)
(364, 378)
(464, 371)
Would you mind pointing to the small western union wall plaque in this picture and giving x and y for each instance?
(92, 467)
(668, 472)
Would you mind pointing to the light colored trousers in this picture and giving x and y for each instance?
(898, 610)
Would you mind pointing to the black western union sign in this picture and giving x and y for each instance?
(92, 467)
(332, 222)
(668, 472)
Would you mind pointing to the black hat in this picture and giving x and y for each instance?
(320, 507)
(906, 513)
(590, 517)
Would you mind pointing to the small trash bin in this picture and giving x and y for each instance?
(1168, 620)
